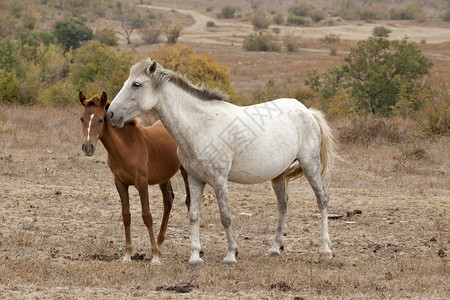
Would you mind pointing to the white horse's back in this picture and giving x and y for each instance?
(265, 139)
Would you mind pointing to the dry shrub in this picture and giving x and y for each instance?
(308, 97)
(412, 151)
(341, 105)
(106, 36)
(200, 69)
(150, 34)
(367, 129)
(261, 42)
(429, 106)
(173, 32)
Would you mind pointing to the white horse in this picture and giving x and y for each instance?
(220, 142)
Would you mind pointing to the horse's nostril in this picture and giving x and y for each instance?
(111, 114)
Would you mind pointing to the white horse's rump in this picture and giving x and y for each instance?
(219, 141)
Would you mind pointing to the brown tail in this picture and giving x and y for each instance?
(327, 151)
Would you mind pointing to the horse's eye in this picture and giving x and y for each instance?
(136, 84)
(100, 121)
(82, 120)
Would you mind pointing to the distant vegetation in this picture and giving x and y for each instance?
(261, 42)
(227, 12)
(378, 76)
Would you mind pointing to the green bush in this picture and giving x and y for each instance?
(9, 87)
(71, 32)
(97, 67)
(61, 93)
(35, 38)
(295, 20)
(381, 31)
(377, 69)
(10, 59)
(261, 42)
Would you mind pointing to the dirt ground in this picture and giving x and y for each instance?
(61, 232)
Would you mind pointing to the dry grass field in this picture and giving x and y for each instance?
(62, 236)
(61, 232)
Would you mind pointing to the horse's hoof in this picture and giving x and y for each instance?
(273, 253)
(326, 255)
(229, 263)
(155, 262)
(196, 264)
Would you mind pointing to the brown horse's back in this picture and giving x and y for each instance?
(149, 152)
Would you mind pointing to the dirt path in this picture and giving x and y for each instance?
(233, 31)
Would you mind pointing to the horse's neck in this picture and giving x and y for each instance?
(116, 140)
(181, 112)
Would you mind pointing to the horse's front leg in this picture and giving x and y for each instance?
(142, 188)
(126, 216)
(196, 191)
(221, 190)
(168, 195)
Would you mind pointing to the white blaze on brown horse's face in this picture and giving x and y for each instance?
(92, 119)
(136, 96)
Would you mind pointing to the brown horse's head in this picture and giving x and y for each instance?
(93, 120)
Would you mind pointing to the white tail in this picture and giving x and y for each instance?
(327, 151)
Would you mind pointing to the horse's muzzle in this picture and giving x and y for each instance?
(88, 149)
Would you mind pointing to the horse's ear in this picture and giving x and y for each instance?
(103, 99)
(82, 98)
(152, 68)
(148, 59)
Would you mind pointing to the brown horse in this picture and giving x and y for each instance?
(138, 156)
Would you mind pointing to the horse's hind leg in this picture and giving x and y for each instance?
(221, 190)
(168, 195)
(126, 216)
(186, 186)
(311, 170)
(279, 187)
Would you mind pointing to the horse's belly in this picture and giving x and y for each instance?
(254, 168)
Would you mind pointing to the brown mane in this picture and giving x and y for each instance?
(161, 76)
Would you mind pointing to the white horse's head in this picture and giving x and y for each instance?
(138, 94)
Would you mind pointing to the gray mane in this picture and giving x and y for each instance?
(161, 76)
